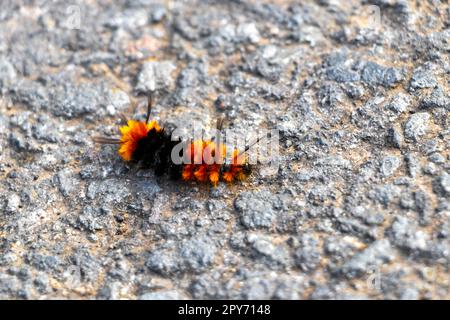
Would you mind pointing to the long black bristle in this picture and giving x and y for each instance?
(105, 140)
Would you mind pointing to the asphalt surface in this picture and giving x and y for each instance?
(358, 208)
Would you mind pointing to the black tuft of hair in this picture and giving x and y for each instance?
(154, 151)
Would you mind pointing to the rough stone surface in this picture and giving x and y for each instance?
(417, 125)
(358, 208)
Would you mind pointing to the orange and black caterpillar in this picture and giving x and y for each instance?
(151, 146)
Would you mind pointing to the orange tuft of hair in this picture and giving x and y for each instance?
(206, 158)
(132, 132)
(236, 170)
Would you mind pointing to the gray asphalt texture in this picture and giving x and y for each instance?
(359, 208)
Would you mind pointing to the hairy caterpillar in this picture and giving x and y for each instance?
(147, 143)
